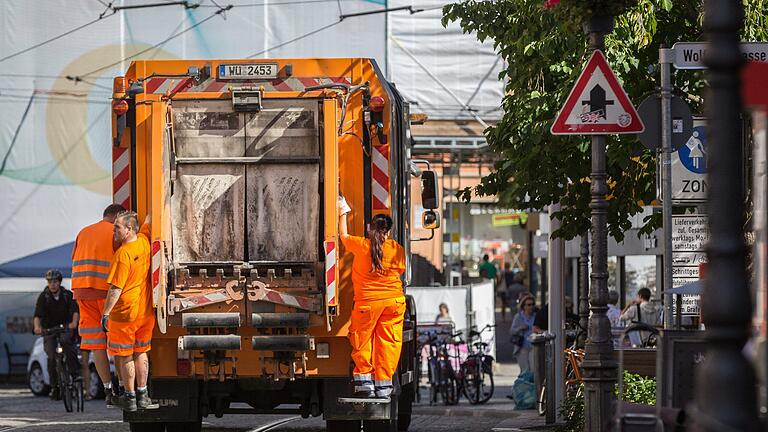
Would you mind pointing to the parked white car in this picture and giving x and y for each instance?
(39, 381)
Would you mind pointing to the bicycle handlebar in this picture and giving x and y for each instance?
(54, 331)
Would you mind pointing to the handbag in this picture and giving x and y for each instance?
(516, 339)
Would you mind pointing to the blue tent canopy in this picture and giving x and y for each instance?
(37, 264)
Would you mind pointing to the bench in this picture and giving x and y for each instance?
(15, 360)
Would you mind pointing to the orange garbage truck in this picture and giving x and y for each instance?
(239, 164)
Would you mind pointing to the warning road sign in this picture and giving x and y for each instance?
(597, 104)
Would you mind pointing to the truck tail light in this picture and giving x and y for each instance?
(376, 104)
(119, 107)
(183, 367)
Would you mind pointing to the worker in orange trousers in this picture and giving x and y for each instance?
(91, 259)
(376, 327)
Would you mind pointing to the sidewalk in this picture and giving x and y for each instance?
(499, 406)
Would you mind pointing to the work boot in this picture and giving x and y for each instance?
(126, 403)
(365, 394)
(109, 397)
(55, 394)
(144, 402)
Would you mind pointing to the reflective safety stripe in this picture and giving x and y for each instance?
(90, 273)
(139, 344)
(384, 391)
(95, 262)
(98, 341)
(363, 377)
(383, 383)
(90, 330)
(364, 387)
(118, 346)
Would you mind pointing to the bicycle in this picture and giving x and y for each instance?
(573, 373)
(70, 384)
(442, 378)
(476, 371)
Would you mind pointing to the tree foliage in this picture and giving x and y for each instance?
(545, 50)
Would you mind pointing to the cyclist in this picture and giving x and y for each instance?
(55, 306)
(379, 309)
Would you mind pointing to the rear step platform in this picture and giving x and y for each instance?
(354, 400)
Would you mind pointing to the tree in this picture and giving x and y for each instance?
(545, 50)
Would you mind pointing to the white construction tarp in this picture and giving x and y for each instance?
(58, 58)
(477, 298)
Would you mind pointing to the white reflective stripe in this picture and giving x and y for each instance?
(364, 387)
(380, 193)
(363, 377)
(380, 161)
(165, 85)
(121, 163)
(383, 383)
(124, 193)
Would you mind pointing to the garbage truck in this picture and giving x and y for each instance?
(239, 165)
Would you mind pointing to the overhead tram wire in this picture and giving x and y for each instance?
(159, 44)
(47, 41)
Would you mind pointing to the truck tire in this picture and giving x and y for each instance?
(390, 425)
(193, 426)
(342, 425)
(404, 407)
(147, 427)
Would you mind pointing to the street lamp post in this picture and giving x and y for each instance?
(726, 394)
(599, 364)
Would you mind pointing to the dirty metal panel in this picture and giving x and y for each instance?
(208, 129)
(283, 128)
(208, 209)
(283, 212)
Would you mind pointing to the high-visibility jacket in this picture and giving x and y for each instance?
(92, 257)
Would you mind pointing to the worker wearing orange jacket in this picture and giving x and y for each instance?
(128, 314)
(376, 327)
(91, 258)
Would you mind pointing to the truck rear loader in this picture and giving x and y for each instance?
(239, 164)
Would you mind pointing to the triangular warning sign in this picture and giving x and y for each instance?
(597, 104)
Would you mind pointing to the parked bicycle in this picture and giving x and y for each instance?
(70, 383)
(476, 371)
(442, 377)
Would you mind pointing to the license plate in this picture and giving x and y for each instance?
(248, 71)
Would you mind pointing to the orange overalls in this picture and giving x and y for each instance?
(132, 319)
(376, 328)
(91, 258)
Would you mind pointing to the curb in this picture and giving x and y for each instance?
(453, 411)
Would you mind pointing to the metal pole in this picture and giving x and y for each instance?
(556, 310)
(599, 364)
(726, 397)
(461, 223)
(665, 62)
(583, 288)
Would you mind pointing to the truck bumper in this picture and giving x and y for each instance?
(178, 402)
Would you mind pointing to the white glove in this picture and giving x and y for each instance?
(344, 208)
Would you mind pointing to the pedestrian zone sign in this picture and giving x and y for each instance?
(597, 105)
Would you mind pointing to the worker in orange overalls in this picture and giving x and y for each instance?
(128, 315)
(376, 328)
(91, 258)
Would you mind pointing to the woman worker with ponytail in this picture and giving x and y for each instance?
(376, 328)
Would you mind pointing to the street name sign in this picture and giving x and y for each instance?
(690, 55)
(597, 104)
(690, 234)
(689, 167)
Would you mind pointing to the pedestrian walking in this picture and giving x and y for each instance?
(56, 307)
(613, 313)
(521, 329)
(515, 291)
(128, 315)
(641, 310)
(91, 260)
(376, 326)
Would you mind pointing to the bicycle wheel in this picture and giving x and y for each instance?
(485, 385)
(434, 383)
(469, 380)
(449, 389)
(77, 390)
(541, 404)
(65, 386)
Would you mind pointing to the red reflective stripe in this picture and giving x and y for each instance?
(280, 85)
(154, 84)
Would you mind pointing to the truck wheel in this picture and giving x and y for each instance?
(404, 408)
(193, 426)
(147, 427)
(390, 425)
(342, 425)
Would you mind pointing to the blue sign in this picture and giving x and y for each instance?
(693, 154)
